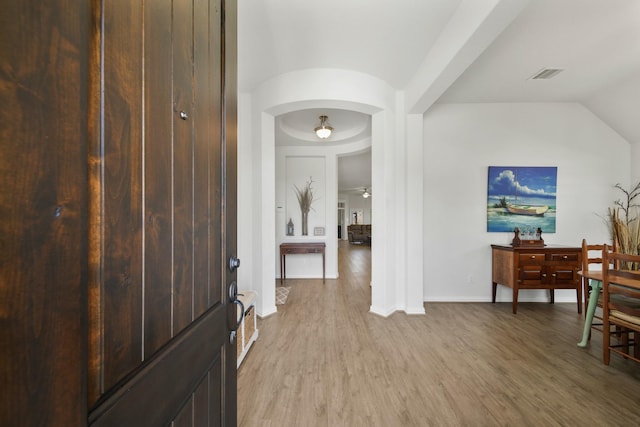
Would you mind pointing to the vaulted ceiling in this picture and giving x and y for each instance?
(595, 42)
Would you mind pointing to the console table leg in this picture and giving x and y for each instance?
(579, 296)
(515, 300)
(322, 267)
(493, 296)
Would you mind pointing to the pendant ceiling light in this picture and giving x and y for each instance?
(366, 194)
(324, 129)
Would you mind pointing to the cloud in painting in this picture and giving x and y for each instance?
(504, 184)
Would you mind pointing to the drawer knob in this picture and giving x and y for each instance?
(565, 257)
(533, 257)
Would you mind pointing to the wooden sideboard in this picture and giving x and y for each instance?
(549, 267)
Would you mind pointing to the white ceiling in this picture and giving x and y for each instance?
(384, 38)
(595, 42)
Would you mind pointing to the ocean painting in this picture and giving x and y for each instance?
(523, 197)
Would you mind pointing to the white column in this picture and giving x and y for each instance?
(401, 226)
(415, 215)
(383, 258)
(265, 214)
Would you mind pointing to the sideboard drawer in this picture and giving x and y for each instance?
(564, 257)
(530, 258)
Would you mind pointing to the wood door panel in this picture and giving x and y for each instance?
(198, 411)
(216, 401)
(200, 400)
(207, 172)
(43, 199)
(218, 145)
(185, 417)
(166, 379)
(182, 165)
(116, 203)
(158, 175)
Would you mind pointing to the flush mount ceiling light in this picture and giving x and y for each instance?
(366, 194)
(324, 129)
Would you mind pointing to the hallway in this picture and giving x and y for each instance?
(324, 360)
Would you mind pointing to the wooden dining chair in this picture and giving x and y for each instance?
(591, 260)
(592, 287)
(620, 304)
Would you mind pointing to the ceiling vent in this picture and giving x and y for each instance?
(546, 74)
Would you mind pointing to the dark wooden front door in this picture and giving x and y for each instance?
(118, 205)
(163, 190)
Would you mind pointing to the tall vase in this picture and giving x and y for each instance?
(305, 215)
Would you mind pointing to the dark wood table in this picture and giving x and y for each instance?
(299, 248)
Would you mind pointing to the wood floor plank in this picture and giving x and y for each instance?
(324, 360)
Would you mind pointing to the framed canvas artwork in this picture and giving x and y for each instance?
(522, 197)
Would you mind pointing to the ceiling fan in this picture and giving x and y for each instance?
(363, 191)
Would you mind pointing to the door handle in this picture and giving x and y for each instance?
(233, 298)
(234, 263)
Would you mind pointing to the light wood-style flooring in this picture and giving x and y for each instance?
(324, 360)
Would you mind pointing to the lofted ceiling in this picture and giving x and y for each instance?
(595, 42)
(597, 45)
(386, 39)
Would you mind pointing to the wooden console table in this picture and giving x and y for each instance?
(549, 267)
(299, 248)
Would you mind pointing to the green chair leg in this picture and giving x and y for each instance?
(596, 285)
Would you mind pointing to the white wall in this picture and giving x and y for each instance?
(635, 164)
(462, 140)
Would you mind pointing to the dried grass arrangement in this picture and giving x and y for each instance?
(625, 222)
(305, 199)
(305, 196)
